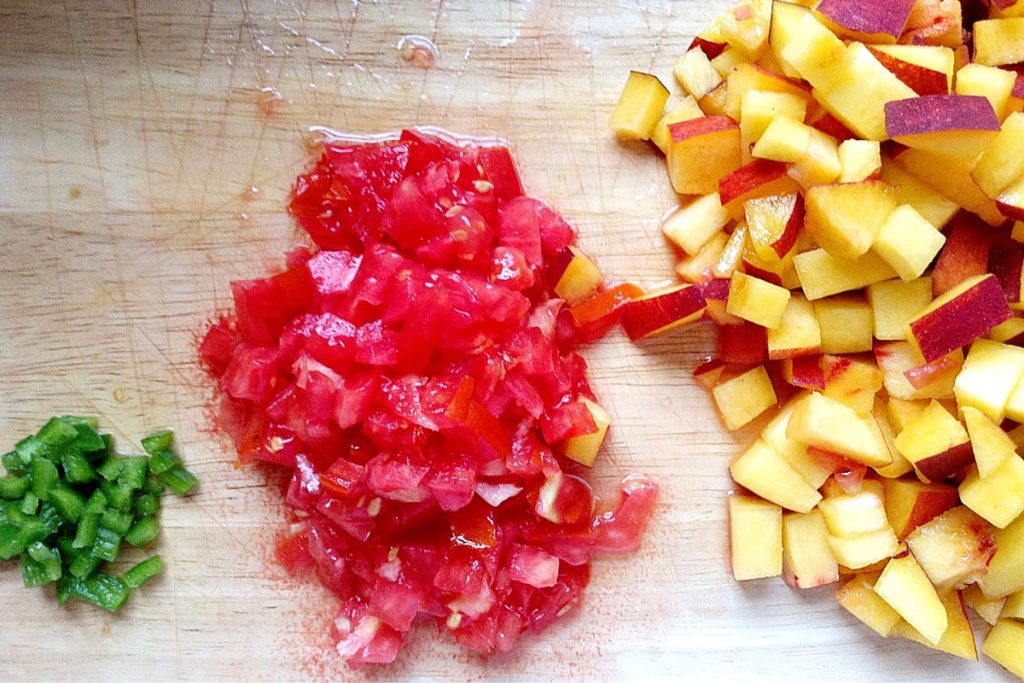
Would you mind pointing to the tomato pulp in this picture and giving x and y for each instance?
(416, 374)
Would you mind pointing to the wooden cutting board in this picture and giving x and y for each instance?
(146, 152)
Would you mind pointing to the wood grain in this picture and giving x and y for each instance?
(130, 136)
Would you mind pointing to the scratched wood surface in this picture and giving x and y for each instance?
(144, 163)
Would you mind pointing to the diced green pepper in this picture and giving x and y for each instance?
(154, 485)
(77, 469)
(103, 590)
(44, 477)
(66, 547)
(30, 504)
(69, 503)
(143, 571)
(11, 541)
(162, 461)
(85, 532)
(180, 480)
(107, 544)
(12, 463)
(110, 469)
(116, 521)
(57, 433)
(133, 471)
(31, 448)
(147, 505)
(13, 488)
(84, 564)
(118, 496)
(108, 444)
(143, 532)
(87, 439)
(40, 564)
(96, 504)
(49, 518)
(158, 441)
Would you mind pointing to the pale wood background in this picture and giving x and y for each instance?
(130, 134)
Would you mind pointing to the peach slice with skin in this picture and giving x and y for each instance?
(573, 275)
(1006, 262)
(858, 93)
(945, 369)
(1011, 201)
(921, 79)
(935, 22)
(936, 444)
(684, 110)
(879, 22)
(965, 255)
(774, 223)
(709, 372)
(961, 126)
(759, 178)
(804, 372)
(959, 316)
(583, 448)
(909, 503)
(935, 380)
(661, 311)
(851, 381)
(715, 141)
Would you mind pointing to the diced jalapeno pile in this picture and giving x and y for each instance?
(69, 502)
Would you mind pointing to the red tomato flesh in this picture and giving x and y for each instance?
(416, 376)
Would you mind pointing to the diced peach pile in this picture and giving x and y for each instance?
(851, 181)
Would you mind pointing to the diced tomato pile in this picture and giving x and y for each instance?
(417, 375)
